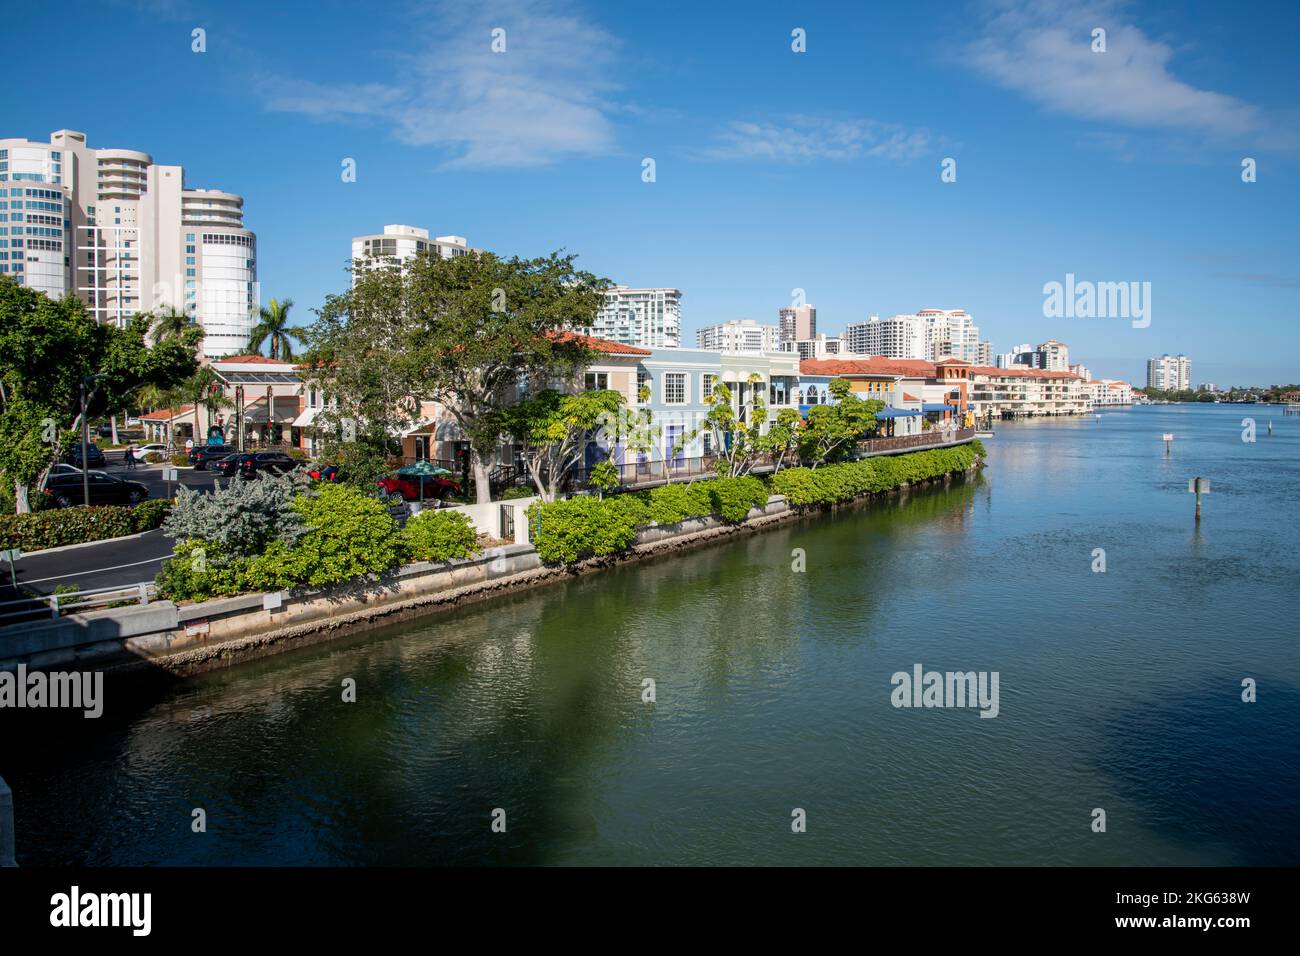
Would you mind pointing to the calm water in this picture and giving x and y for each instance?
(1118, 690)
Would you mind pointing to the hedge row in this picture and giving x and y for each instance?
(804, 487)
(61, 526)
(567, 531)
(577, 528)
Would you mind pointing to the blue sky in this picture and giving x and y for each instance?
(775, 170)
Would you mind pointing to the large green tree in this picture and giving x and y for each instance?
(830, 430)
(554, 429)
(464, 332)
(46, 349)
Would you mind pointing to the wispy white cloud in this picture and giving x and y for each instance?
(1044, 50)
(801, 139)
(545, 98)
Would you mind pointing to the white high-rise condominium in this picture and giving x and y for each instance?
(646, 318)
(902, 336)
(950, 333)
(399, 243)
(1170, 373)
(738, 335)
(1053, 356)
(798, 323)
(125, 235)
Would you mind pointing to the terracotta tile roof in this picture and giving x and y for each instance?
(167, 414)
(249, 360)
(604, 346)
(1021, 372)
(879, 365)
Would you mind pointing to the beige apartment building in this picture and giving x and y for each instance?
(1019, 392)
(125, 235)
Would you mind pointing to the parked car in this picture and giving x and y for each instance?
(407, 487)
(143, 451)
(203, 455)
(66, 490)
(94, 457)
(250, 463)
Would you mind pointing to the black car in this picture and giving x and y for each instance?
(94, 457)
(66, 490)
(203, 455)
(250, 463)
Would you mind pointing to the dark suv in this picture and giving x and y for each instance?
(94, 456)
(250, 463)
(203, 455)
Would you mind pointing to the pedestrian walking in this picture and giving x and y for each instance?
(130, 456)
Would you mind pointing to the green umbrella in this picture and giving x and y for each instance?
(422, 469)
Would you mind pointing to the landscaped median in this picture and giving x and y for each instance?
(58, 527)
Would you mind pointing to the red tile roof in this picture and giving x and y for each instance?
(249, 360)
(878, 365)
(604, 346)
(1020, 372)
(167, 414)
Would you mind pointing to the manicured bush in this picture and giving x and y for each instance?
(241, 517)
(732, 498)
(153, 458)
(348, 534)
(61, 526)
(518, 491)
(181, 460)
(439, 536)
(577, 528)
(805, 487)
(150, 514)
(199, 570)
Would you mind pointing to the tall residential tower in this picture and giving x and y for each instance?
(125, 235)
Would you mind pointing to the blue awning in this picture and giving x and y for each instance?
(928, 407)
(897, 413)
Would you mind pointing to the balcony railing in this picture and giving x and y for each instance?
(935, 436)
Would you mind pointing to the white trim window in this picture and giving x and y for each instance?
(675, 388)
(708, 382)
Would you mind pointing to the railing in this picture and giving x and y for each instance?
(935, 436)
(55, 606)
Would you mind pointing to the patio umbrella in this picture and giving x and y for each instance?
(422, 470)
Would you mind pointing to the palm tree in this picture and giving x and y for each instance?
(169, 325)
(273, 325)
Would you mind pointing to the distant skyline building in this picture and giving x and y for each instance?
(819, 347)
(1082, 371)
(1054, 356)
(1170, 373)
(738, 335)
(645, 318)
(901, 336)
(798, 323)
(125, 235)
(950, 333)
(399, 243)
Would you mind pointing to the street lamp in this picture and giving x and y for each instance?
(85, 438)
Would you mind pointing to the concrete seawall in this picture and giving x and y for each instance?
(187, 639)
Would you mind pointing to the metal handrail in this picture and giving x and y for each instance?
(77, 601)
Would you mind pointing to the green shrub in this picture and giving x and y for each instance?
(805, 487)
(57, 527)
(241, 517)
(348, 534)
(577, 528)
(199, 570)
(181, 460)
(150, 514)
(518, 491)
(439, 536)
(732, 498)
(153, 458)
